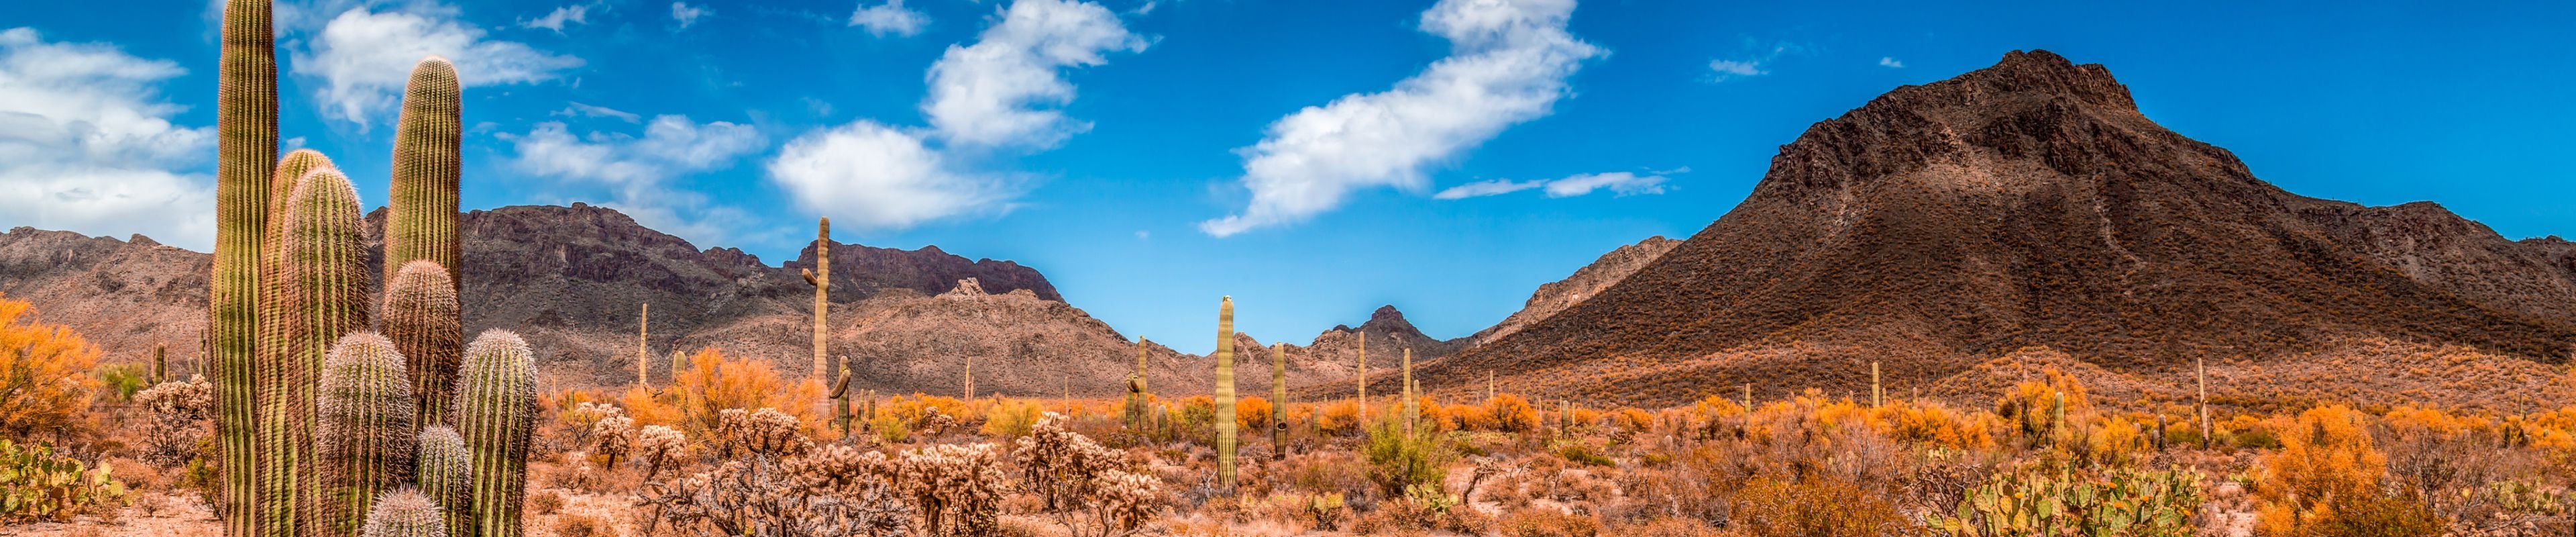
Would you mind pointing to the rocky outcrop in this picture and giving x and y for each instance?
(1555, 296)
(123, 295)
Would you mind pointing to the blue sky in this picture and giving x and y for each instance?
(1314, 159)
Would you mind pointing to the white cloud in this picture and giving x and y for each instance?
(364, 58)
(1508, 63)
(1733, 68)
(889, 18)
(1884, 61)
(572, 14)
(86, 144)
(871, 175)
(1480, 189)
(577, 109)
(1620, 183)
(687, 14)
(637, 171)
(1750, 64)
(1003, 90)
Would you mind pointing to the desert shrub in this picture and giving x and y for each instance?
(1195, 417)
(1466, 417)
(1632, 420)
(38, 485)
(2326, 469)
(1815, 507)
(766, 432)
(1579, 453)
(1667, 527)
(577, 525)
(45, 384)
(1403, 458)
(2249, 432)
(1340, 418)
(1546, 522)
(1011, 418)
(650, 409)
(830, 491)
(121, 381)
(579, 421)
(2116, 442)
(1938, 425)
(1327, 472)
(714, 383)
(2045, 412)
(546, 501)
(1512, 414)
(1252, 415)
(182, 420)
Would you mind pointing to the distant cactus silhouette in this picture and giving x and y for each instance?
(496, 413)
(363, 431)
(315, 291)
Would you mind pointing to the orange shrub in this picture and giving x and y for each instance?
(1511, 414)
(2034, 408)
(1340, 417)
(45, 383)
(2118, 441)
(713, 384)
(2326, 463)
(1429, 413)
(1469, 417)
(649, 409)
(1936, 424)
(1632, 419)
(1252, 414)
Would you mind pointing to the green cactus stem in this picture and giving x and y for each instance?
(363, 431)
(446, 472)
(420, 315)
(821, 278)
(405, 513)
(246, 156)
(316, 289)
(496, 412)
(644, 351)
(1225, 394)
(420, 217)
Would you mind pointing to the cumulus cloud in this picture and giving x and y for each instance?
(1005, 89)
(86, 144)
(637, 171)
(687, 14)
(555, 20)
(1508, 64)
(1884, 61)
(1619, 183)
(872, 175)
(889, 18)
(365, 57)
(1750, 64)
(1736, 68)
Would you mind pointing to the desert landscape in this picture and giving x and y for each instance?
(2003, 303)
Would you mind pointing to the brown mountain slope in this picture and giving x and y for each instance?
(1555, 296)
(125, 296)
(2025, 204)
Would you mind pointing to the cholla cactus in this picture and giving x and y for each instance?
(612, 437)
(180, 411)
(837, 490)
(445, 470)
(759, 432)
(957, 488)
(363, 431)
(405, 513)
(1122, 501)
(1061, 464)
(659, 444)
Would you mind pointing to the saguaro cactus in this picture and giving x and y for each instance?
(1225, 393)
(496, 411)
(1406, 406)
(1363, 375)
(316, 290)
(246, 154)
(821, 278)
(405, 513)
(1136, 398)
(420, 217)
(446, 472)
(364, 431)
(1877, 397)
(643, 351)
(1278, 402)
(421, 317)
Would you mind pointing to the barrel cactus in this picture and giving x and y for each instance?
(405, 513)
(446, 474)
(364, 434)
(316, 289)
(496, 412)
(420, 316)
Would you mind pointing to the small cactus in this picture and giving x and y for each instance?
(421, 316)
(496, 412)
(420, 220)
(446, 473)
(405, 513)
(363, 431)
(1225, 394)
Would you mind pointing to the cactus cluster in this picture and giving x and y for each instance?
(319, 420)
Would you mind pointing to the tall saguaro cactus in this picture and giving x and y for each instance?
(421, 317)
(420, 217)
(821, 278)
(1278, 402)
(496, 411)
(246, 152)
(1225, 394)
(1363, 375)
(446, 473)
(365, 433)
(643, 351)
(315, 291)
(1406, 406)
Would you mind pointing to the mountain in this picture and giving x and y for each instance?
(123, 295)
(2029, 209)
(1555, 296)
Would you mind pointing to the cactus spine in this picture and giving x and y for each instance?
(246, 154)
(821, 278)
(405, 513)
(364, 432)
(643, 351)
(420, 218)
(496, 411)
(315, 291)
(446, 473)
(1225, 394)
(1278, 402)
(421, 317)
